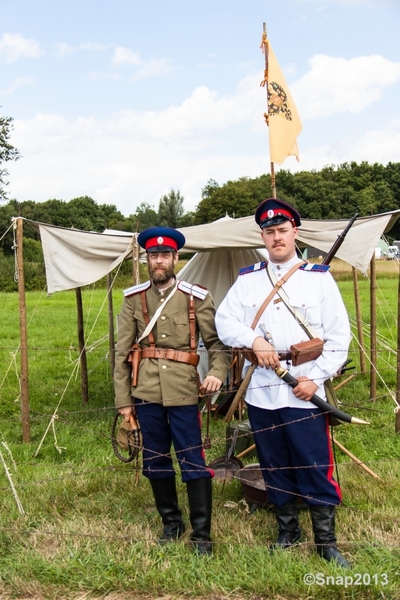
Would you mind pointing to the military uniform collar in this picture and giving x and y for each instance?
(284, 267)
(166, 291)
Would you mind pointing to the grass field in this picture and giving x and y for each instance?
(86, 526)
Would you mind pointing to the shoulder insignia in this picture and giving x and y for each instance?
(193, 288)
(135, 289)
(315, 268)
(252, 268)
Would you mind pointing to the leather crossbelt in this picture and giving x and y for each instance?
(189, 358)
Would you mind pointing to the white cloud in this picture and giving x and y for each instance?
(375, 146)
(335, 85)
(20, 82)
(137, 156)
(143, 69)
(125, 56)
(63, 50)
(152, 68)
(15, 46)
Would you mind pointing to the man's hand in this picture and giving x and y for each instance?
(210, 385)
(126, 412)
(266, 354)
(305, 389)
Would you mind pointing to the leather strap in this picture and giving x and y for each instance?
(146, 316)
(192, 324)
(296, 314)
(189, 358)
(275, 289)
(182, 356)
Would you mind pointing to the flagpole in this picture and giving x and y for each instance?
(272, 166)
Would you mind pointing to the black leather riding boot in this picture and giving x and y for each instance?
(166, 499)
(289, 530)
(200, 505)
(323, 521)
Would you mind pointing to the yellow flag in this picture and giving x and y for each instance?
(283, 118)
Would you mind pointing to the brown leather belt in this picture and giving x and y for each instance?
(189, 358)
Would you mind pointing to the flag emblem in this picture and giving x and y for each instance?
(278, 101)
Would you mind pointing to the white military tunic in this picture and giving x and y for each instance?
(316, 296)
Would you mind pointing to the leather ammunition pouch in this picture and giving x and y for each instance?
(306, 351)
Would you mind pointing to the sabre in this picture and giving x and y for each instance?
(320, 402)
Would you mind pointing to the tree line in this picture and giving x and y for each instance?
(334, 192)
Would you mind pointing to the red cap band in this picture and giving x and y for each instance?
(161, 241)
(273, 212)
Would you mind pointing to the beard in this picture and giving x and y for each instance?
(161, 274)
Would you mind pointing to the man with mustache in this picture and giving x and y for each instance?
(166, 394)
(291, 433)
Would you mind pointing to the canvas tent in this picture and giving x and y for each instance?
(75, 258)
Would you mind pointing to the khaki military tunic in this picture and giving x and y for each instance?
(160, 380)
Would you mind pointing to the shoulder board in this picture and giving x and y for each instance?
(315, 268)
(193, 288)
(252, 268)
(135, 289)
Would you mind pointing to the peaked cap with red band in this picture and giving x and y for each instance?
(273, 212)
(161, 239)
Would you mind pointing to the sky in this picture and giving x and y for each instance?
(125, 100)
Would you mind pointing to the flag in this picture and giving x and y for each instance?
(283, 119)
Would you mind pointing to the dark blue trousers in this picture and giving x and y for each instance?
(178, 425)
(295, 455)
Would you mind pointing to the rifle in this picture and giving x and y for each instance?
(339, 241)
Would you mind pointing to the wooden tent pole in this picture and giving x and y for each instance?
(359, 321)
(82, 348)
(24, 387)
(111, 338)
(356, 460)
(373, 328)
(397, 422)
(135, 262)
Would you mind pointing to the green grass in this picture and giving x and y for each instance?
(89, 528)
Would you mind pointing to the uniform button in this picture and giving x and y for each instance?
(303, 305)
(278, 267)
(161, 299)
(279, 275)
(163, 318)
(163, 335)
(278, 307)
(164, 366)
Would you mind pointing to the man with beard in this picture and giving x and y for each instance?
(167, 317)
(290, 432)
